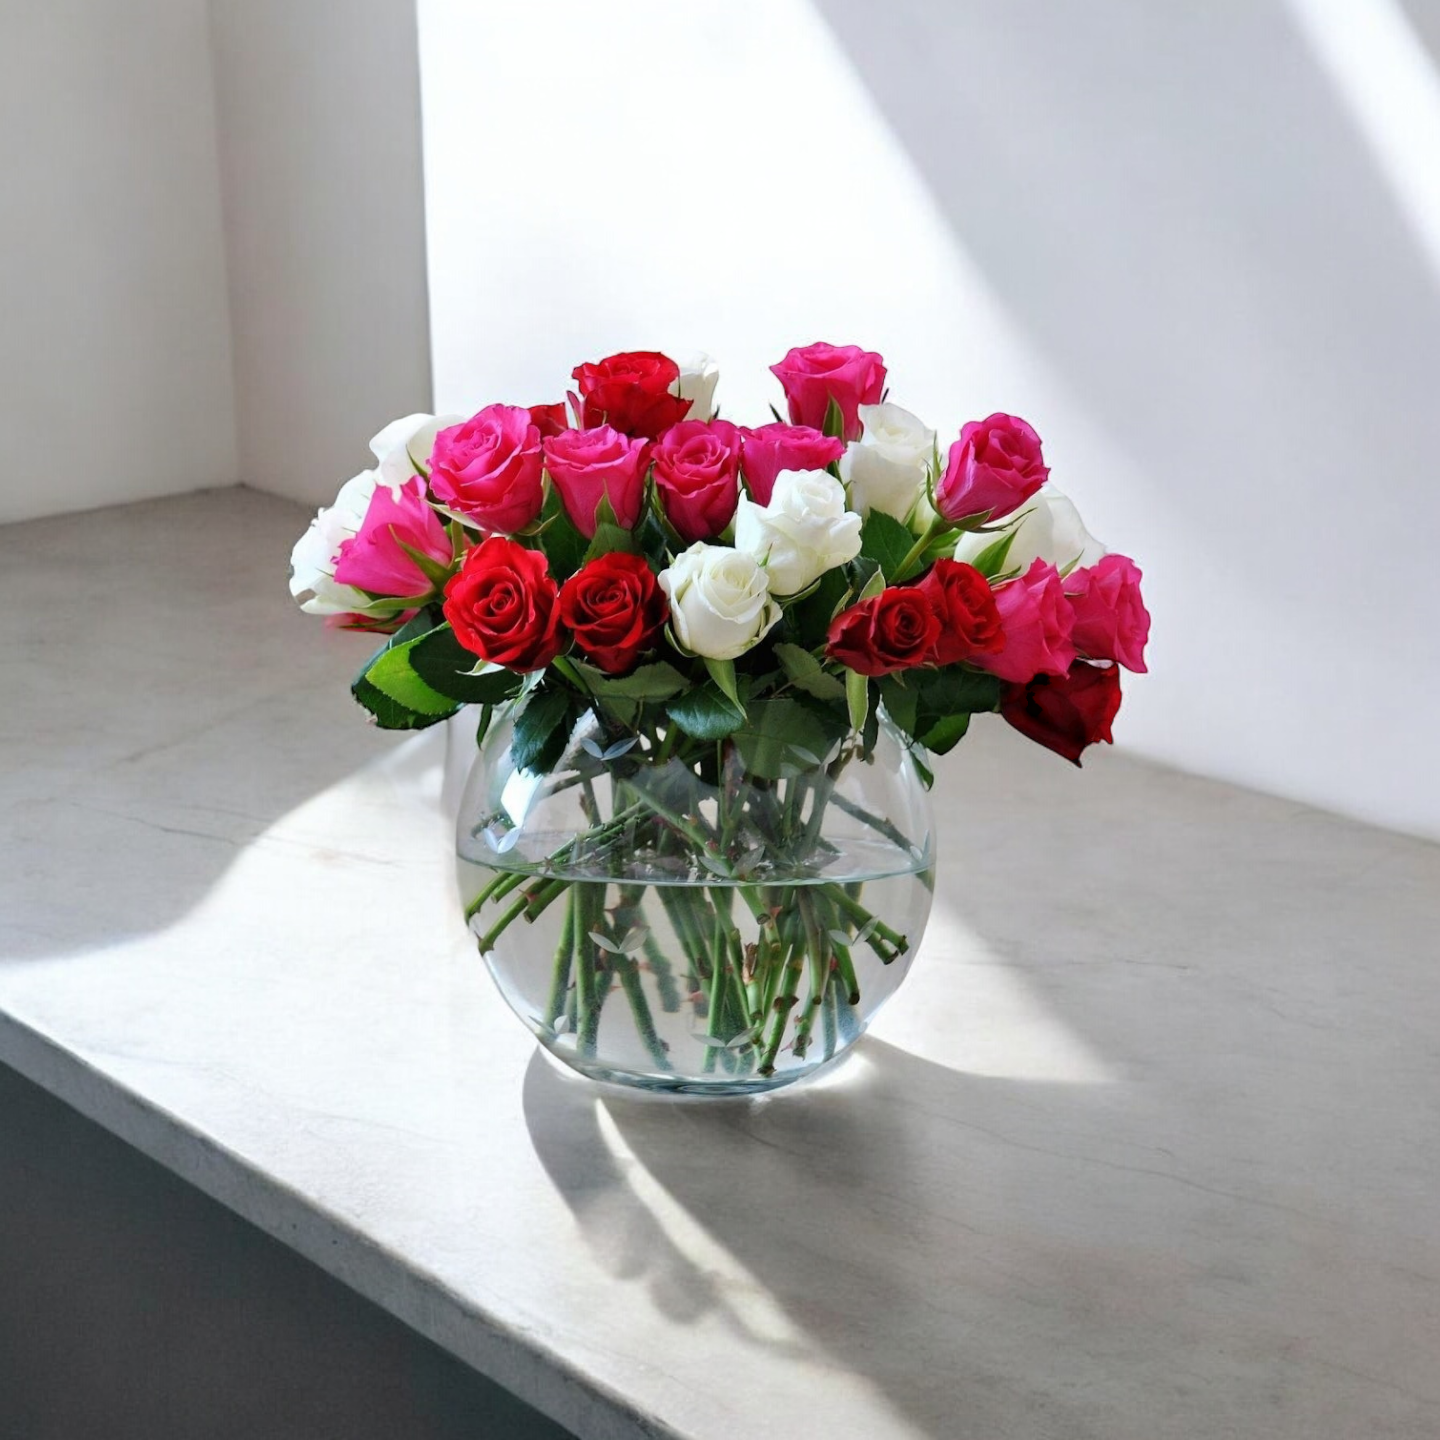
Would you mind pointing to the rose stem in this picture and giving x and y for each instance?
(827, 1013)
(560, 976)
(784, 1003)
(819, 970)
(517, 908)
(627, 916)
(640, 1008)
(500, 883)
(587, 1017)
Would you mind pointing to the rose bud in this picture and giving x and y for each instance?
(894, 630)
(887, 469)
(964, 603)
(697, 463)
(1065, 713)
(487, 469)
(1037, 621)
(696, 383)
(1111, 621)
(375, 560)
(814, 375)
(769, 449)
(588, 464)
(503, 605)
(615, 609)
(994, 467)
(549, 419)
(632, 392)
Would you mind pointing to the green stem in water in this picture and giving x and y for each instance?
(560, 976)
(498, 885)
(634, 989)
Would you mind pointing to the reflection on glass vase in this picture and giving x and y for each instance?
(693, 916)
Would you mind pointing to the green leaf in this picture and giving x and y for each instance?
(776, 414)
(391, 714)
(390, 673)
(542, 728)
(934, 706)
(609, 537)
(563, 544)
(806, 673)
(886, 541)
(901, 702)
(650, 682)
(946, 733)
(857, 698)
(872, 587)
(990, 562)
(783, 735)
(435, 571)
(722, 672)
(834, 425)
(655, 542)
(808, 620)
(705, 713)
(444, 664)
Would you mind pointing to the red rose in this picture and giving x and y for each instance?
(616, 609)
(1111, 621)
(993, 468)
(1037, 621)
(769, 449)
(549, 419)
(894, 630)
(631, 393)
(697, 464)
(503, 605)
(965, 605)
(1065, 713)
(813, 375)
(588, 464)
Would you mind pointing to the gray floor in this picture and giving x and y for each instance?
(134, 1308)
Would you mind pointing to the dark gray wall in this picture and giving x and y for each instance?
(132, 1307)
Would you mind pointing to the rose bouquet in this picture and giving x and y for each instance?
(711, 663)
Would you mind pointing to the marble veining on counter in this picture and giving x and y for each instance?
(1146, 1147)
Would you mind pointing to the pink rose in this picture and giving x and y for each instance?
(696, 474)
(995, 467)
(586, 464)
(813, 376)
(1036, 618)
(769, 449)
(1111, 621)
(487, 469)
(374, 558)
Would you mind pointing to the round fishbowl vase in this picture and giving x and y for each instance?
(695, 916)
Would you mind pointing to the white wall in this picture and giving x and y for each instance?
(114, 348)
(324, 213)
(1172, 236)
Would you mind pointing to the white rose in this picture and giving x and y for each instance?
(804, 531)
(401, 448)
(720, 601)
(1049, 528)
(887, 469)
(698, 378)
(312, 562)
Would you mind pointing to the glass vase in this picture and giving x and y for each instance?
(690, 916)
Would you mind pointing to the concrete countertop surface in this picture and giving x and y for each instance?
(1147, 1146)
